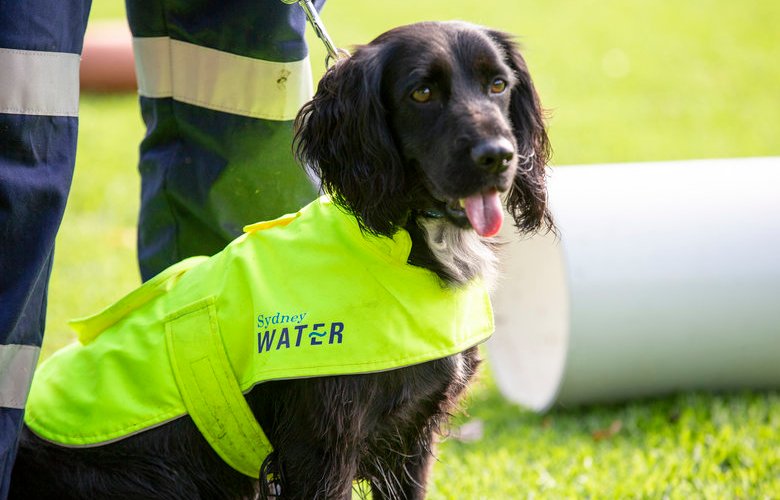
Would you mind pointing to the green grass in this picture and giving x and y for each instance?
(681, 447)
(624, 81)
(94, 258)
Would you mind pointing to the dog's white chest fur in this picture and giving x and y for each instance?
(462, 252)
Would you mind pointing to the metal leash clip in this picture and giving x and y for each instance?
(334, 54)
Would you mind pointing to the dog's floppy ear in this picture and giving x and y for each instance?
(527, 199)
(343, 135)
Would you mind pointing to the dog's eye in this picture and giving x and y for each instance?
(497, 86)
(422, 94)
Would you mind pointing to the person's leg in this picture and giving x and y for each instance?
(40, 43)
(220, 83)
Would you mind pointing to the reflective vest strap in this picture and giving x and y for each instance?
(17, 365)
(39, 83)
(221, 81)
(210, 390)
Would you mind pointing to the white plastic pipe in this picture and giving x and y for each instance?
(665, 277)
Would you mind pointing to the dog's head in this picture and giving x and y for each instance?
(431, 117)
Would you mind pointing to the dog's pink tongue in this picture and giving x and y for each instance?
(484, 212)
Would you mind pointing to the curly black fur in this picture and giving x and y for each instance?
(392, 162)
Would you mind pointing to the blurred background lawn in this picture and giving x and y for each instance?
(623, 80)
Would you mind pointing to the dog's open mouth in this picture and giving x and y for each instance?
(482, 211)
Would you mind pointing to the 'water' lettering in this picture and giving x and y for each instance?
(292, 336)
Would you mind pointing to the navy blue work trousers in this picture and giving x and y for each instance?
(209, 165)
(38, 128)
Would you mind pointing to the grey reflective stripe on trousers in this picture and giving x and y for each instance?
(221, 81)
(17, 365)
(39, 83)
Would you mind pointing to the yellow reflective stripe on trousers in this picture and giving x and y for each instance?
(210, 390)
(39, 83)
(17, 365)
(221, 81)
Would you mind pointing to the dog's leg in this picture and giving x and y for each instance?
(315, 429)
(308, 472)
(406, 478)
(402, 447)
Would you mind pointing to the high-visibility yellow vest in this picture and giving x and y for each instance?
(305, 295)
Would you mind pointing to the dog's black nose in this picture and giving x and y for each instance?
(493, 154)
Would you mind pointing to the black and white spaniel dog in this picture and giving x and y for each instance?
(435, 128)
